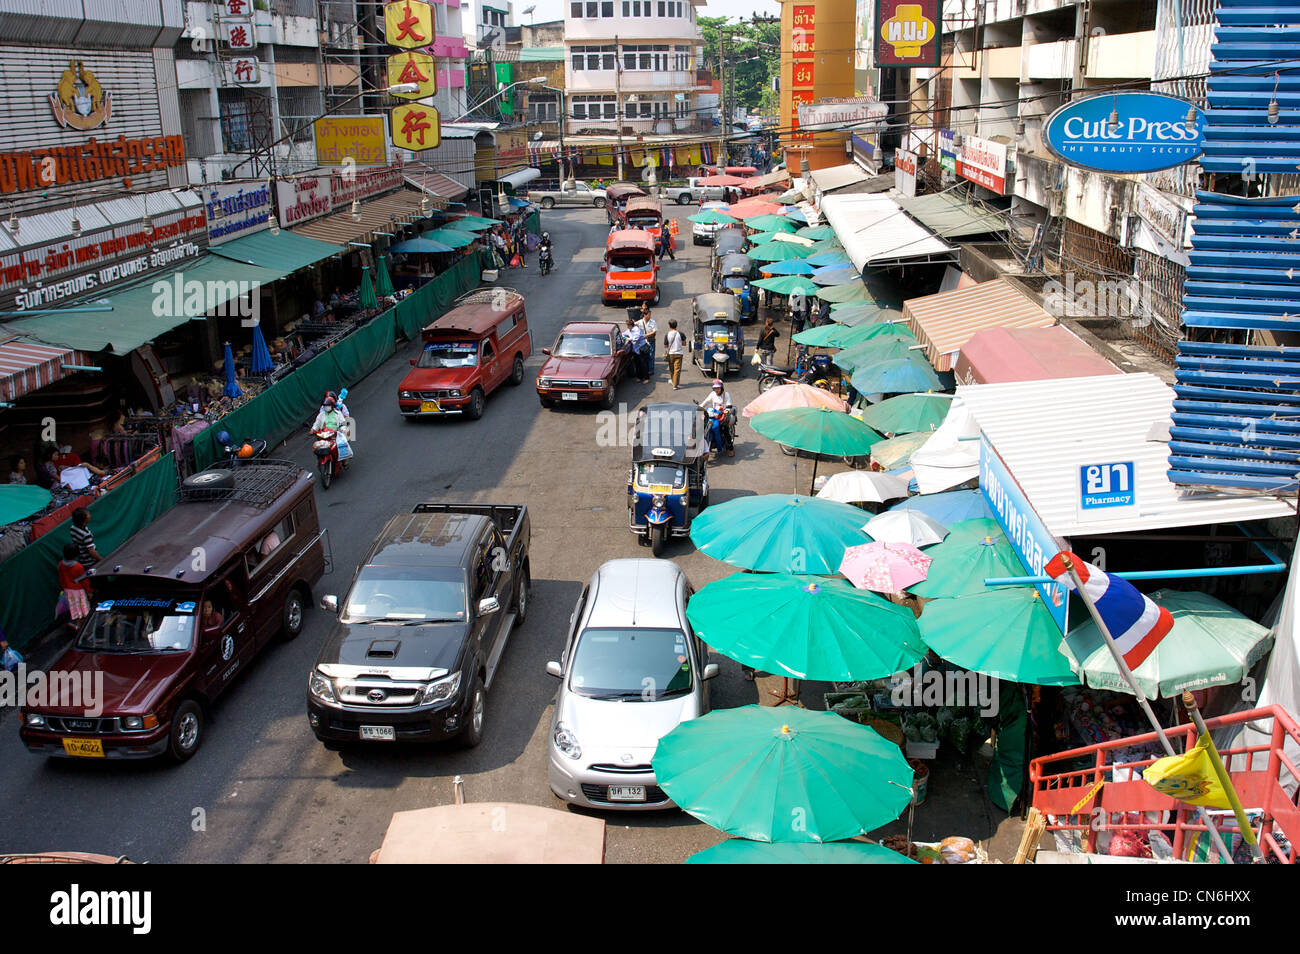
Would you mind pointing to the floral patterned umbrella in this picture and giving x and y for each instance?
(884, 567)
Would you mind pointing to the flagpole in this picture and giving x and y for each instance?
(1243, 823)
(1127, 673)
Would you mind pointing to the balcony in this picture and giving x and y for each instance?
(633, 29)
(1121, 55)
(634, 81)
(1051, 60)
(1003, 62)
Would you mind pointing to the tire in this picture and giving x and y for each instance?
(326, 475)
(210, 480)
(475, 409)
(187, 731)
(472, 734)
(517, 373)
(658, 295)
(659, 538)
(295, 611)
(684, 199)
(548, 203)
(611, 396)
(521, 596)
(598, 203)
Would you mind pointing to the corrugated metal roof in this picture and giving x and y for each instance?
(56, 226)
(950, 216)
(875, 231)
(378, 214)
(837, 177)
(998, 355)
(946, 321)
(1046, 430)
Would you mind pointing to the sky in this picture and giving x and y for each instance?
(735, 9)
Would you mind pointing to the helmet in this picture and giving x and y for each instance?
(223, 438)
(329, 400)
(246, 451)
(717, 383)
(546, 236)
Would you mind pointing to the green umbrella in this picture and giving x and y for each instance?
(973, 550)
(908, 412)
(367, 296)
(854, 291)
(783, 774)
(19, 501)
(856, 313)
(787, 285)
(740, 851)
(777, 252)
(842, 336)
(1005, 632)
(712, 217)
(816, 232)
(762, 238)
(771, 223)
(452, 238)
(474, 223)
(826, 245)
(796, 266)
(897, 376)
(817, 429)
(888, 345)
(779, 533)
(383, 281)
(896, 451)
(824, 259)
(806, 627)
(1211, 644)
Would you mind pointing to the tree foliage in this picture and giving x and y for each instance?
(753, 59)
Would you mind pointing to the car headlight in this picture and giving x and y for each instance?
(544, 383)
(440, 689)
(567, 742)
(132, 723)
(657, 500)
(596, 384)
(322, 688)
(35, 721)
(405, 395)
(455, 394)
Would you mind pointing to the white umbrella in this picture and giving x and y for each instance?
(906, 526)
(863, 486)
(792, 239)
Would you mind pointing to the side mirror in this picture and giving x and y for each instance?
(488, 605)
(329, 604)
(710, 671)
(553, 669)
(413, 360)
(546, 351)
(604, 268)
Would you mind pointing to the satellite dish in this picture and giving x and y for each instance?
(529, 10)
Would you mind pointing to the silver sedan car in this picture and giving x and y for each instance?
(631, 671)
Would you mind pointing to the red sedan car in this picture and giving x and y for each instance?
(585, 365)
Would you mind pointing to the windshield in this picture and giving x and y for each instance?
(401, 594)
(117, 627)
(630, 263)
(449, 354)
(719, 329)
(643, 220)
(656, 474)
(736, 283)
(634, 665)
(582, 346)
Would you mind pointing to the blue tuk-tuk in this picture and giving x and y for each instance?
(717, 341)
(668, 482)
(735, 273)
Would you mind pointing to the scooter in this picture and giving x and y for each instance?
(544, 260)
(717, 421)
(328, 459)
(814, 371)
(241, 450)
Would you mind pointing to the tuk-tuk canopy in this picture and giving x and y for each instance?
(717, 306)
(630, 240)
(644, 203)
(622, 191)
(728, 240)
(735, 263)
(671, 432)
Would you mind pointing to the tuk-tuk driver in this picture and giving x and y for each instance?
(719, 398)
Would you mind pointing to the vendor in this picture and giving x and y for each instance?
(17, 469)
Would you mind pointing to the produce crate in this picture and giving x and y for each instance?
(922, 750)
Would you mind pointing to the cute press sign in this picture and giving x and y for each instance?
(1152, 132)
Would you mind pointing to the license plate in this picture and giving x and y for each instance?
(430, 407)
(378, 733)
(721, 339)
(569, 396)
(629, 294)
(86, 748)
(627, 793)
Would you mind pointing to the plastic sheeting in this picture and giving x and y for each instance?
(951, 456)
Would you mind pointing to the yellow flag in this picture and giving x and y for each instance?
(1189, 777)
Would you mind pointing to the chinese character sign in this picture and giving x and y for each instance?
(238, 8)
(416, 127)
(238, 34)
(408, 24)
(244, 70)
(360, 138)
(415, 68)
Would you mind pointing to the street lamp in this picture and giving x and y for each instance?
(534, 81)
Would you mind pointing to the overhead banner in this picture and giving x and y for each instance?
(359, 138)
(834, 113)
(1150, 132)
(905, 172)
(907, 33)
(235, 209)
(983, 162)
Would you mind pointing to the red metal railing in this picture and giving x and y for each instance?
(1090, 799)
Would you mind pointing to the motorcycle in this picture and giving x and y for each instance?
(814, 371)
(717, 420)
(241, 450)
(545, 260)
(329, 459)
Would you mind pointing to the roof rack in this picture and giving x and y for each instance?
(487, 295)
(258, 483)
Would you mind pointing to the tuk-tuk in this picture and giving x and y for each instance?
(616, 198)
(668, 482)
(644, 212)
(717, 342)
(726, 240)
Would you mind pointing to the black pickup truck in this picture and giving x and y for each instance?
(421, 632)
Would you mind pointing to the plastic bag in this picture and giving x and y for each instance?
(345, 449)
(756, 360)
(11, 659)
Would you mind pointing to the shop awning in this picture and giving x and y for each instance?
(439, 186)
(949, 216)
(759, 183)
(520, 177)
(135, 317)
(380, 214)
(1044, 431)
(26, 366)
(995, 355)
(875, 232)
(943, 323)
(837, 177)
(283, 253)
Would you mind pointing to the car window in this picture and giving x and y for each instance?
(631, 665)
(482, 571)
(401, 594)
(506, 326)
(586, 345)
(488, 352)
(448, 354)
(269, 545)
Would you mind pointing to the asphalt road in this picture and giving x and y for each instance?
(262, 789)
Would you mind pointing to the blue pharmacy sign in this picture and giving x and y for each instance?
(1024, 529)
(1152, 132)
(1102, 486)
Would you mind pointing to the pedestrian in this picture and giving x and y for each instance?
(767, 342)
(796, 319)
(74, 584)
(650, 329)
(17, 469)
(83, 539)
(636, 348)
(673, 347)
(824, 314)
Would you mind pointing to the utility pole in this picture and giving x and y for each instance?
(721, 158)
(618, 103)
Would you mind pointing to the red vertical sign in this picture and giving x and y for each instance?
(802, 75)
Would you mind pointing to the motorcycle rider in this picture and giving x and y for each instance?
(546, 251)
(331, 417)
(719, 398)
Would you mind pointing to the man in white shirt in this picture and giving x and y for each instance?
(650, 329)
(721, 399)
(673, 346)
(636, 346)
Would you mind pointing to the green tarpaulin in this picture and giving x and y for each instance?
(533, 223)
(285, 252)
(21, 500)
(29, 587)
(1006, 775)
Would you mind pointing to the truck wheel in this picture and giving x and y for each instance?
(611, 396)
(598, 203)
(546, 402)
(472, 734)
(475, 409)
(295, 610)
(521, 596)
(548, 203)
(658, 295)
(187, 731)
(517, 375)
(684, 199)
(659, 538)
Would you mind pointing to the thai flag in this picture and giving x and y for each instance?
(1136, 623)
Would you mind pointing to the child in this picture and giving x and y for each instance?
(75, 586)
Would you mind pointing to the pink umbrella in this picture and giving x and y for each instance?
(721, 180)
(796, 394)
(884, 567)
(752, 208)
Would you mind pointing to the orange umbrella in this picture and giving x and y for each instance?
(721, 180)
(795, 394)
(751, 208)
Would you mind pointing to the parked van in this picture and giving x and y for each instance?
(181, 608)
(616, 198)
(468, 353)
(630, 270)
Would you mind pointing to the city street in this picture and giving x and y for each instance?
(262, 789)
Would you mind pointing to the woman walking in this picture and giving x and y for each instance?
(767, 342)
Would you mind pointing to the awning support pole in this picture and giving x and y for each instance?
(1194, 573)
